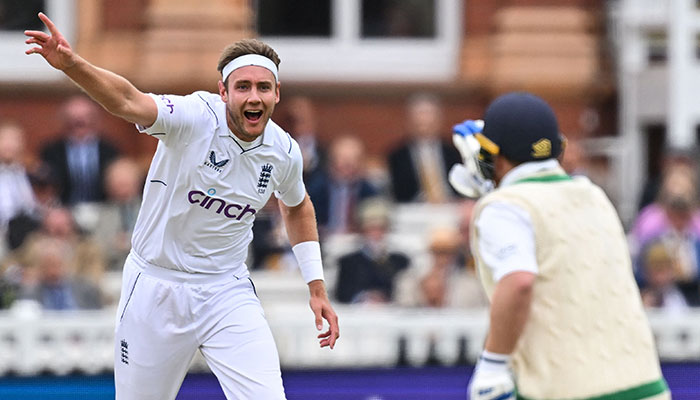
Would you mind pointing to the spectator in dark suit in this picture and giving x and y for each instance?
(80, 157)
(367, 275)
(303, 126)
(419, 167)
(337, 193)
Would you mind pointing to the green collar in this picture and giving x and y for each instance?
(545, 178)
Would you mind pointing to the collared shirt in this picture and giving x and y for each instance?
(506, 236)
(205, 186)
(84, 164)
(427, 158)
(16, 193)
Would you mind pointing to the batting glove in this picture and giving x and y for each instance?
(492, 379)
(467, 178)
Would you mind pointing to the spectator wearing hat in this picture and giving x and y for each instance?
(367, 275)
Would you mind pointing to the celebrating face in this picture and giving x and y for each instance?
(250, 98)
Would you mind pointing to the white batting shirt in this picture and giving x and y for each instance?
(205, 186)
(507, 238)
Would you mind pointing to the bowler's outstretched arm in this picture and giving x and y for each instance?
(116, 94)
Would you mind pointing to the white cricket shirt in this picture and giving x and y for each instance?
(204, 188)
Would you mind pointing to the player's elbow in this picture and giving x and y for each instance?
(520, 283)
(120, 108)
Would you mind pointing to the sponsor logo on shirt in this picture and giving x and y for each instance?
(168, 103)
(264, 179)
(214, 164)
(218, 205)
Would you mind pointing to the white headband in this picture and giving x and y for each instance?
(246, 60)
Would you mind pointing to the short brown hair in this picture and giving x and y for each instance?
(247, 46)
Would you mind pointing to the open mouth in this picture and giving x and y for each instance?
(253, 116)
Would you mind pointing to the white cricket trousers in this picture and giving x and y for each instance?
(164, 316)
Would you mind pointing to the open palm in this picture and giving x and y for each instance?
(54, 47)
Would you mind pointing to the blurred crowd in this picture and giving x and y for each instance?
(66, 217)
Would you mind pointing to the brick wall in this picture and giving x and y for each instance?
(127, 36)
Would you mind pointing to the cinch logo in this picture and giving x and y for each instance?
(231, 210)
(168, 103)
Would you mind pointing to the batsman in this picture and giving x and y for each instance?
(566, 317)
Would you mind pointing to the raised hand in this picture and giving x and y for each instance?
(467, 178)
(54, 47)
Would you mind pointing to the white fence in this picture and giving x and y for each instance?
(32, 341)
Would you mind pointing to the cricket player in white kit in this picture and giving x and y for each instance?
(566, 319)
(186, 286)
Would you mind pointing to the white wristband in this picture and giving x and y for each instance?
(308, 255)
(493, 362)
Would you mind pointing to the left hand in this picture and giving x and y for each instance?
(492, 379)
(322, 309)
(492, 386)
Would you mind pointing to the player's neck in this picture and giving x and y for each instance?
(246, 143)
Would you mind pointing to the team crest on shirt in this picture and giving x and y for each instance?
(264, 179)
(215, 164)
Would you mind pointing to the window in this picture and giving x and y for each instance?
(298, 18)
(363, 40)
(398, 18)
(18, 15)
(657, 47)
(16, 66)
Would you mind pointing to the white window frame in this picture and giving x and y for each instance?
(19, 67)
(347, 57)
